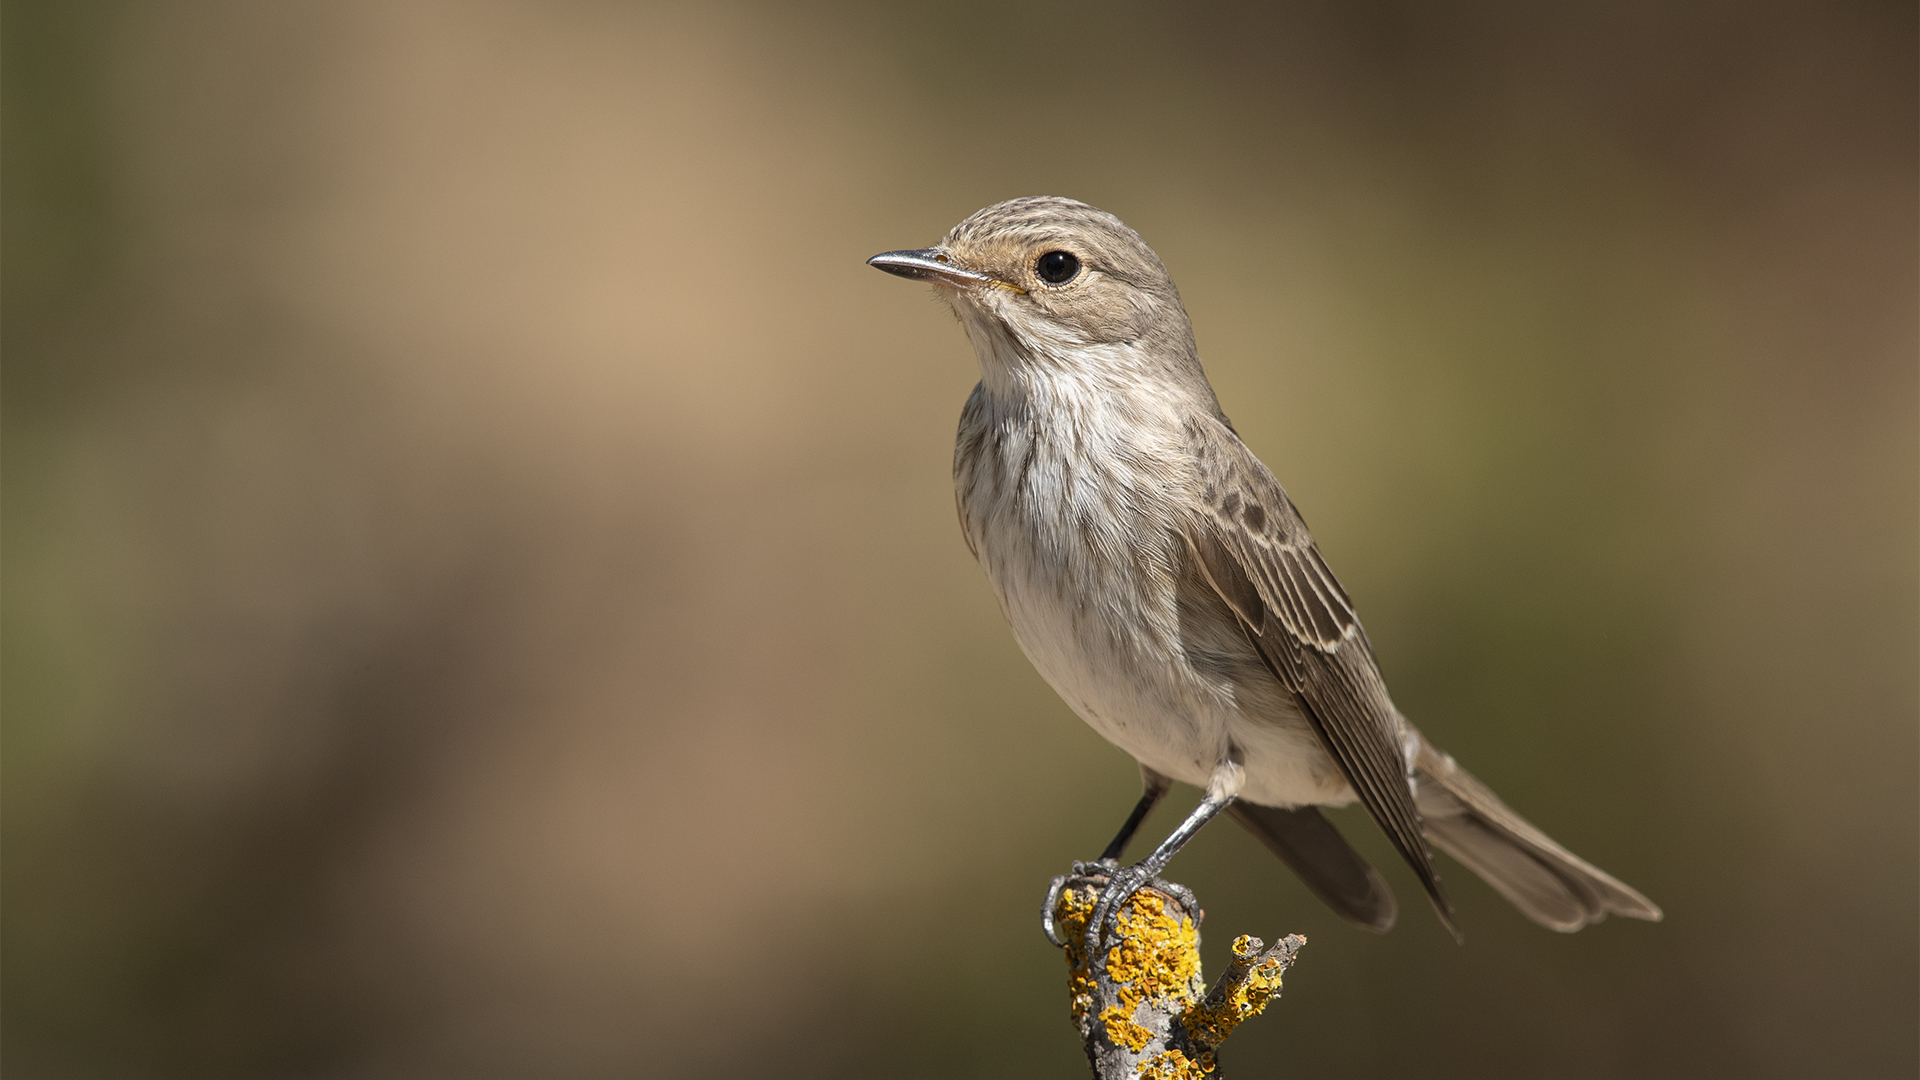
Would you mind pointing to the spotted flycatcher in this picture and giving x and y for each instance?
(1163, 584)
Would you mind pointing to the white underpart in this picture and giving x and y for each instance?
(1071, 508)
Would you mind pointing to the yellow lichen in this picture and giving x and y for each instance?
(1175, 1065)
(1122, 1031)
(1156, 958)
(1071, 920)
(1210, 1025)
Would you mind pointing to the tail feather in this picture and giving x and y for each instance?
(1335, 873)
(1549, 884)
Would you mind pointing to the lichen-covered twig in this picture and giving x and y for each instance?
(1142, 1008)
(1252, 980)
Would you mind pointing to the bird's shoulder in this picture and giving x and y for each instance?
(1255, 544)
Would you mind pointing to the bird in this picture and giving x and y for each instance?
(1160, 580)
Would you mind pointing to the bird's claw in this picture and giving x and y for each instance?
(1182, 896)
(1122, 883)
(1125, 881)
(1103, 867)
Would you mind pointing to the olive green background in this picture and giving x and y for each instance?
(482, 596)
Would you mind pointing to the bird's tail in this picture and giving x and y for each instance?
(1549, 884)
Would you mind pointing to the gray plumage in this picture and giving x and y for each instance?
(1160, 580)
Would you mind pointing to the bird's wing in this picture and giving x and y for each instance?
(1323, 860)
(1257, 554)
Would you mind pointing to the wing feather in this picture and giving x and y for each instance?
(1257, 554)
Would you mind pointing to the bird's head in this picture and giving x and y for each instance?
(1049, 286)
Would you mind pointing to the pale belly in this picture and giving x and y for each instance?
(1165, 674)
(1080, 535)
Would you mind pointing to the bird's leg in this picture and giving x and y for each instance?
(1127, 880)
(1154, 788)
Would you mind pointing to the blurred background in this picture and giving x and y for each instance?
(483, 599)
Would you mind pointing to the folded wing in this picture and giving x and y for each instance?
(1258, 555)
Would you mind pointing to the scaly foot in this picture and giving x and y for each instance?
(1122, 883)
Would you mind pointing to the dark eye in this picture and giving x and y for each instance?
(1057, 267)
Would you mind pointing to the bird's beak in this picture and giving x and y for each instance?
(932, 264)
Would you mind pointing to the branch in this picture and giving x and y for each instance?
(1141, 1008)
